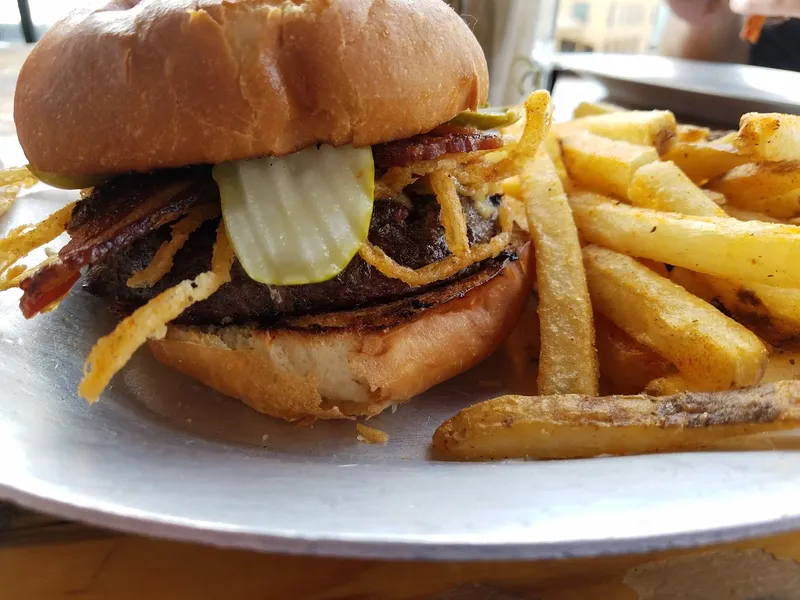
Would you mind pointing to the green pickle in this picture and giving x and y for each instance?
(64, 181)
(490, 118)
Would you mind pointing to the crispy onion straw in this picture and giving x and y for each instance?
(12, 180)
(21, 241)
(473, 169)
(14, 277)
(451, 214)
(113, 351)
(437, 271)
(163, 260)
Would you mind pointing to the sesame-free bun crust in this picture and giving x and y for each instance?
(140, 85)
(356, 363)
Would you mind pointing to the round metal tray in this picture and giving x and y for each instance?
(712, 93)
(162, 455)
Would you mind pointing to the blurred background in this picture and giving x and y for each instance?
(627, 26)
(629, 46)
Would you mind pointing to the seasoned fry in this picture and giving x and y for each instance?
(702, 161)
(646, 128)
(696, 284)
(716, 197)
(567, 360)
(553, 146)
(626, 366)
(675, 384)
(663, 186)
(784, 365)
(521, 348)
(705, 345)
(692, 133)
(769, 136)
(604, 165)
(749, 215)
(588, 109)
(573, 426)
(751, 251)
(770, 188)
(772, 312)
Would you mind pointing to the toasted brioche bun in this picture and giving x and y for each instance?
(347, 364)
(140, 85)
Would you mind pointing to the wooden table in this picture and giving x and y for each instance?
(122, 568)
(47, 559)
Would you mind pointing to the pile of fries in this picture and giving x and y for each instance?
(668, 290)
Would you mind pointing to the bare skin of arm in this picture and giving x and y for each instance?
(703, 30)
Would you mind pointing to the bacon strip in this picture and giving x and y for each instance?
(402, 153)
(117, 214)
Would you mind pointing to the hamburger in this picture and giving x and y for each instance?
(294, 202)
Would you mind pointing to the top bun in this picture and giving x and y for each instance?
(139, 85)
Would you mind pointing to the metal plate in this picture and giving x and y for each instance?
(164, 456)
(712, 93)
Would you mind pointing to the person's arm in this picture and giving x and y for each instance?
(703, 30)
(768, 8)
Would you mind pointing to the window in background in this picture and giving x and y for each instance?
(580, 12)
(10, 29)
(607, 25)
(43, 14)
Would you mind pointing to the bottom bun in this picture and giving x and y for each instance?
(356, 363)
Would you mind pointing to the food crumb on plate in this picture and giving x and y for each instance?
(370, 435)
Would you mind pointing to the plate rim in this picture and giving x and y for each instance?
(361, 547)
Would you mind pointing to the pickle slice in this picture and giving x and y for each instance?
(489, 118)
(299, 218)
(65, 181)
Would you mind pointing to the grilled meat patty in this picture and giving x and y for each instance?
(411, 235)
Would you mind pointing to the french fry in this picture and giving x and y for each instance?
(772, 312)
(626, 366)
(740, 250)
(749, 215)
(604, 165)
(647, 128)
(573, 426)
(692, 133)
(696, 284)
(705, 345)
(663, 186)
(522, 349)
(769, 136)
(716, 197)
(567, 359)
(770, 188)
(702, 161)
(784, 365)
(726, 138)
(553, 147)
(588, 109)
(673, 384)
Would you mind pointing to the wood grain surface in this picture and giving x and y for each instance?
(128, 568)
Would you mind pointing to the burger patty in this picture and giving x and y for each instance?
(411, 235)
